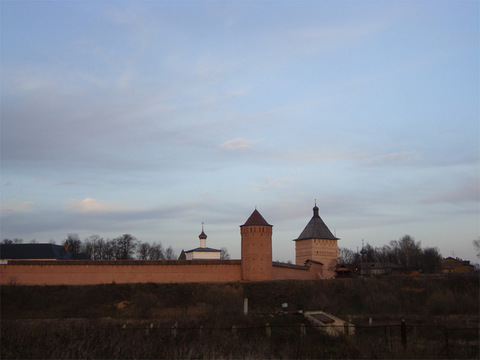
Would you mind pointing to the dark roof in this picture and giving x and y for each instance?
(256, 220)
(34, 251)
(290, 266)
(182, 256)
(205, 249)
(316, 229)
(309, 261)
(39, 251)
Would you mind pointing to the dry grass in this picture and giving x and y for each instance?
(82, 322)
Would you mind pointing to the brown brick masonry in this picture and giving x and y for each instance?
(34, 272)
(106, 272)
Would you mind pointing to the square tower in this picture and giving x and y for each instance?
(316, 242)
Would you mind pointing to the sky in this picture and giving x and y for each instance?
(149, 118)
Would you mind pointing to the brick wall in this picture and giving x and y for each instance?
(106, 272)
(282, 271)
(31, 272)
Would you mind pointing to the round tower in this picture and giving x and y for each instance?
(256, 236)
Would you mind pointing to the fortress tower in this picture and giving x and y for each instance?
(316, 242)
(256, 236)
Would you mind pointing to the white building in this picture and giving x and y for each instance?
(202, 252)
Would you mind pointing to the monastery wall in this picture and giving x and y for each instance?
(316, 258)
(31, 272)
(289, 272)
(105, 272)
(282, 271)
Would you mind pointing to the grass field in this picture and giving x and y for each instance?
(191, 321)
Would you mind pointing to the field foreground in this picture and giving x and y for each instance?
(190, 321)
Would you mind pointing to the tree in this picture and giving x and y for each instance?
(346, 256)
(407, 251)
(156, 252)
(368, 253)
(14, 241)
(95, 246)
(224, 255)
(124, 247)
(74, 243)
(170, 254)
(148, 251)
(476, 245)
(430, 260)
(109, 250)
(143, 251)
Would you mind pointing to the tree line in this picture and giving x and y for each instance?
(405, 252)
(124, 247)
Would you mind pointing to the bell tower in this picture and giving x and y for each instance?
(256, 236)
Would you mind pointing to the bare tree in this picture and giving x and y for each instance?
(476, 245)
(143, 250)
(407, 251)
(125, 246)
(74, 243)
(224, 255)
(368, 253)
(345, 256)
(148, 251)
(94, 246)
(430, 260)
(14, 241)
(170, 254)
(156, 252)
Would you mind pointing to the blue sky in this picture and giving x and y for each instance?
(150, 118)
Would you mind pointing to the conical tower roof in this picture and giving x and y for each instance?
(256, 220)
(316, 229)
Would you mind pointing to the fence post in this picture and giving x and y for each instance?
(268, 330)
(403, 331)
(345, 332)
(174, 330)
(386, 336)
(303, 331)
(234, 331)
(447, 349)
(245, 306)
(200, 331)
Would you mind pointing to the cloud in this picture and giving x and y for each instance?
(272, 183)
(235, 144)
(392, 158)
(467, 191)
(15, 205)
(90, 205)
(66, 183)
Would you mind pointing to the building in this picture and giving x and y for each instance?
(202, 252)
(255, 265)
(316, 242)
(256, 236)
(455, 265)
(45, 252)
